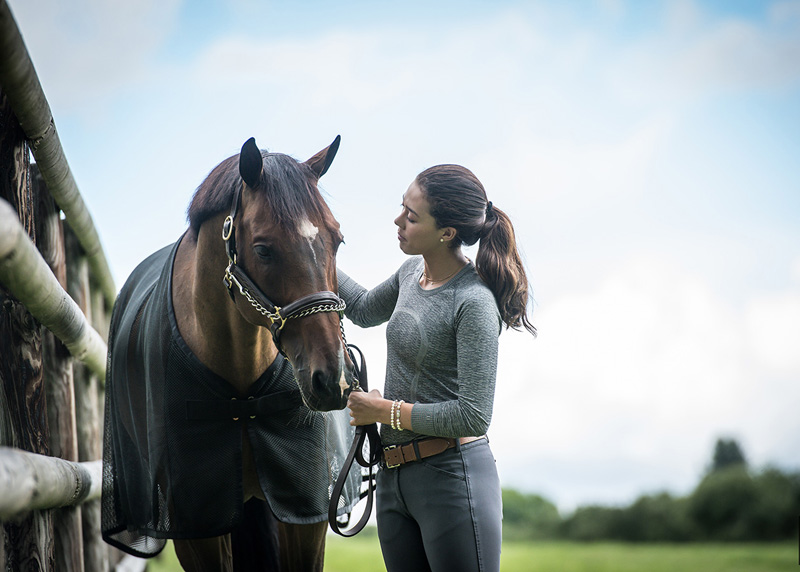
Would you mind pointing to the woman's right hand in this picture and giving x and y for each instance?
(366, 408)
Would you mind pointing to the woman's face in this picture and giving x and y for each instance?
(416, 228)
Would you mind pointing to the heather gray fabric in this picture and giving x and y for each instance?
(441, 348)
(171, 469)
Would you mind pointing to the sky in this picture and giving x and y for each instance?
(646, 152)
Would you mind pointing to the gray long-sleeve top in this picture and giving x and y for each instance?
(441, 348)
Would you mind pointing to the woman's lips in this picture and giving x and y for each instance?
(400, 237)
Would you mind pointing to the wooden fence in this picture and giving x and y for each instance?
(56, 293)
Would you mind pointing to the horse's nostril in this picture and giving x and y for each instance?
(320, 381)
(329, 388)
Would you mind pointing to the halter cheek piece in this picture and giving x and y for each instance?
(315, 303)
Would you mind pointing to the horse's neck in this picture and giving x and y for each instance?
(214, 330)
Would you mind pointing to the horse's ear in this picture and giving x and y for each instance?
(251, 163)
(320, 162)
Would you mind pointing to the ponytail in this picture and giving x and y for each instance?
(457, 199)
(500, 266)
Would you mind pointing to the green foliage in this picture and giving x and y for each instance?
(528, 517)
(592, 523)
(776, 512)
(727, 453)
(659, 518)
(729, 504)
(721, 503)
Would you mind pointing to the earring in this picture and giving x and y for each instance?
(441, 240)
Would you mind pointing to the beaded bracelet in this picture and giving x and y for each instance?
(395, 415)
(391, 415)
(399, 408)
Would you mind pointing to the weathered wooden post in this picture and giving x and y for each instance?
(58, 380)
(88, 397)
(28, 542)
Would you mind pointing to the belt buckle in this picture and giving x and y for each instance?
(389, 448)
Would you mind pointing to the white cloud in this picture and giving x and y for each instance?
(84, 50)
(696, 56)
(773, 328)
(645, 367)
(550, 172)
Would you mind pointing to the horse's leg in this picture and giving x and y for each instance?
(255, 541)
(205, 554)
(302, 546)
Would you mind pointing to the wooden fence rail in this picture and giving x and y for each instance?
(29, 482)
(28, 277)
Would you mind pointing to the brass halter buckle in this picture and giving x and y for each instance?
(227, 228)
(277, 317)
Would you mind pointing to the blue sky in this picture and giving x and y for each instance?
(647, 153)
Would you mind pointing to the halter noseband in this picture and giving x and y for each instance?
(315, 303)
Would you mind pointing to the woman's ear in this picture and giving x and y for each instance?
(448, 233)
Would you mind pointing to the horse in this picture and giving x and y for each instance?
(224, 349)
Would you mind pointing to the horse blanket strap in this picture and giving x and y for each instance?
(397, 455)
(364, 434)
(236, 409)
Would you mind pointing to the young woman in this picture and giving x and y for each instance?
(438, 494)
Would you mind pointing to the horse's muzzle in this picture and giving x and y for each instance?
(325, 390)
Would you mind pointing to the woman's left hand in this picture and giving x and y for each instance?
(365, 408)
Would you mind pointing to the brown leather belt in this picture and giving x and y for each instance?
(397, 455)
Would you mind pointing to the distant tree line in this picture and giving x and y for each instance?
(731, 503)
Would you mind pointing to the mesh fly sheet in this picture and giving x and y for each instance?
(172, 452)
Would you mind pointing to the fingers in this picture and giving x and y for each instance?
(363, 406)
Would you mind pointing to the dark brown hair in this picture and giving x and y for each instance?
(457, 199)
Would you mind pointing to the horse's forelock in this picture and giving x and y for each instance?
(287, 187)
(214, 194)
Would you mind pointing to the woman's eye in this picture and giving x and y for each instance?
(263, 252)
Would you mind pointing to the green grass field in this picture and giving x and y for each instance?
(362, 554)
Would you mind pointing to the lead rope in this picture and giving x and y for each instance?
(363, 433)
(357, 383)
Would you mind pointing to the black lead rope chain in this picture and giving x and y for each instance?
(363, 434)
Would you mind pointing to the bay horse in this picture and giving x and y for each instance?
(223, 349)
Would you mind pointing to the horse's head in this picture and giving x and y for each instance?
(283, 267)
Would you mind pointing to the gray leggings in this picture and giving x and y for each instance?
(442, 513)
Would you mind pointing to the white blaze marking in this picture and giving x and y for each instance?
(343, 385)
(309, 232)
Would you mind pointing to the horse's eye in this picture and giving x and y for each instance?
(264, 252)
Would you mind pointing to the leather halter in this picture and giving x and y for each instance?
(317, 302)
